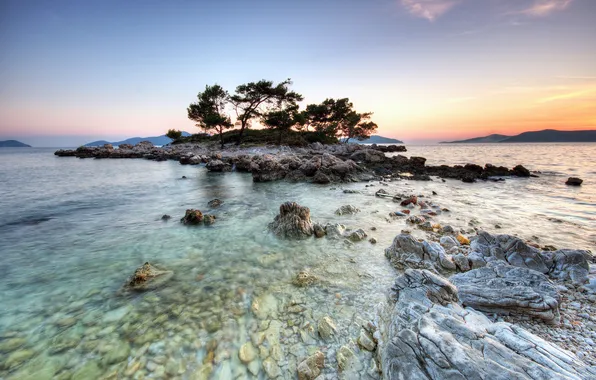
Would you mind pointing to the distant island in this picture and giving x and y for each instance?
(376, 139)
(544, 136)
(13, 144)
(155, 140)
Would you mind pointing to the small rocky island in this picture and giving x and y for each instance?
(315, 163)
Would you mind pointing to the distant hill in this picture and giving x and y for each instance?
(155, 140)
(376, 139)
(551, 135)
(13, 144)
(544, 136)
(486, 139)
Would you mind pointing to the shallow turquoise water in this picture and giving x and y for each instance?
(73, 230)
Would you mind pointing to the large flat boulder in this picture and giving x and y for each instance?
(407, 252)
(427, 334)
(505, 289)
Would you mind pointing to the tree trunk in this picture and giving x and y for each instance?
(221, 138)
(242, 127)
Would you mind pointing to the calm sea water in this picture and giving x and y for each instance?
(72, 231)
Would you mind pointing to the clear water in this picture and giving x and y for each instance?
(72, 231)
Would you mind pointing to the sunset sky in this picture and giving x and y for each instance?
(430, 70)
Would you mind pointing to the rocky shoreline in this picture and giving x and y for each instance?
(316, 163)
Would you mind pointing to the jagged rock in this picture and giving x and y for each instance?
(321, 178)
(574, 181)
(247, 353)
(563, 264)
(461, 262)
(148, 277)
(407, 252)
(304, 278)
(357, 235)
(461, 239)
(166, 217)
(382, 193)
(368, 156)
(214, 203)
(319, 230)
(266, 168)
(311, 367)
(347, 210)
(292, 222)
(447, 230)
(448, 242)
(427, 334)
(348, 363)
(411, 200)
(326, 328)
(192, 217)
(505, 289)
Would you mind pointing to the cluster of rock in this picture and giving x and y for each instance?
(317, 163)
(435, 328)
(194, 217)
(294, 222)
(427, 334)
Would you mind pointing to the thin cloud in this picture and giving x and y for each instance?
(576, 77)
(542, 8)
(570, 95)
(461, 99)
(429, 9)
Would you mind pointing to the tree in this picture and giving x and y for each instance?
(174, 134)
(209, 111)
(337, 118)
(282, 120)
(358, 126)
(251, 100)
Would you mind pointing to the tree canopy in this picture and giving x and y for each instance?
(252, 99)
(209, 111)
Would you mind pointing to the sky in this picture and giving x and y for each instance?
(430, 70)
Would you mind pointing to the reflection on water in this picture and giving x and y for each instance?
(75, 230)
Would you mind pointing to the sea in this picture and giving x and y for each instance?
(72, 231)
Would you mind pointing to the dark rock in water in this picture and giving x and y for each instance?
(148, 277)
(468, 178)
(574, 181)
(209, 219)
(214, 203)
(520, 171)
(293, 221)
(166, 217)
(505, 289)
(192, 217)
(426, 334)
(183, 177)
(411, 200)
(494, 171)
(319, 230)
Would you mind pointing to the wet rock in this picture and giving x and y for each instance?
(304, 278)
(427, 334)
(148, 277)
(416, 219)
(11, 344)
(520, 171)
(209, 219)
(271, 368)
(357, 235)
(192, 217)
(347, 210)
(574, 181)
(293, 221)
(411, 200)
(504, 289)
(319, 230)
(382, 193)
(214, 203)
(311, 367)
(117, 354)
(166, 217)
(247, 353)
(372, 240)
(17, 358)
(407, 252)
(89, 370)
(326, 328)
